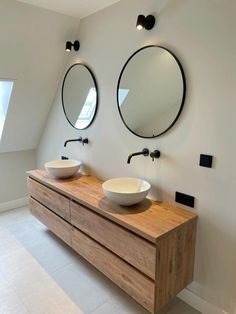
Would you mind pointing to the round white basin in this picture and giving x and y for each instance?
(62, 168)
(126, 191)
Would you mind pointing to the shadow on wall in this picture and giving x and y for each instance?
(212, 238)
(170, 7)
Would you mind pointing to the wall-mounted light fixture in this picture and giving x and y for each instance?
(145, 22)
(69, 45)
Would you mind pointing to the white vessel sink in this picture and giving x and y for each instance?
(126, 191)
(62, 168)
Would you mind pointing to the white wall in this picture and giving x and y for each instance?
(202, 34)
(32, 53)
(13, 167)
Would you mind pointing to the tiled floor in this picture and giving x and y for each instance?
(39, 274)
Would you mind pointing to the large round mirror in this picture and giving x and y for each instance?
(79, 96)
(151, 91)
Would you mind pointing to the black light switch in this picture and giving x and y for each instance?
(206, 161)
(184, 199)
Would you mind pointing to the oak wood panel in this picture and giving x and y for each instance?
(135, 250)
(149, 219)
(175, 263)
(57, 225)
(51, 199)
(137, 285)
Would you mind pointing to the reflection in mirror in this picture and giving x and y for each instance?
(79, 96)
(151, 91)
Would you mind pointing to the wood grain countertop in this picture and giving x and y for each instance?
(149, 219)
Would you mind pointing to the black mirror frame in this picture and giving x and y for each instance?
(62, 89)
(183, 97)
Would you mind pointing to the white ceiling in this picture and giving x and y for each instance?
(76, 8)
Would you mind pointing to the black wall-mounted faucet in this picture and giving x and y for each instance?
(74, 140)
(80, 139)
(144, 152)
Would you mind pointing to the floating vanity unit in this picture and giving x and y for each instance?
(147, 249)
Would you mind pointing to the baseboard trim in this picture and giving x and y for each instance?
(198, 303)
(14, 204)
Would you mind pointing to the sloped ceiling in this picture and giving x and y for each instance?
(76, 8)
(32, 53)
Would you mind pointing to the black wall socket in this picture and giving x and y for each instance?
(206, 161)
(184, 199)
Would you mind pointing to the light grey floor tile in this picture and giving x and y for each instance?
(125, 306)
(78, 283)
(14, 216)
(11, 304)
(51, 256)
(181, 308)
(48, 297)
(29, 233)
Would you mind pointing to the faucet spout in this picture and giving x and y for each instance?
(73, 140)
(144, 152)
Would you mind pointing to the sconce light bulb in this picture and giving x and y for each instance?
(139, 27)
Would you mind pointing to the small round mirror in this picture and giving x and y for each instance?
(79, 96)
(151, 91)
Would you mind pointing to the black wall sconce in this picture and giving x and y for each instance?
(147, 22)
(69, 45)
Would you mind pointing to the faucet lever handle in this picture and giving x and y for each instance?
(155, 154)
(85, 141)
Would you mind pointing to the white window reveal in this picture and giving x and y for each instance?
(123, 93)
(88, 109)
(5, 95)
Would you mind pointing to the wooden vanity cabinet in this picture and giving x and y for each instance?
(135, 250)
(147, 250)
(57, 225)
(54, 201)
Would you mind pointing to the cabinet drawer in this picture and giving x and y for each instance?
(135, 250)
(51, 199)
(57, 225)
(137, 285)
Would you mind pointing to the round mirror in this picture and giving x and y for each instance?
(79, 96)
(151, 91)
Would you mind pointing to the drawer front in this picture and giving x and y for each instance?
(57, 225)
(51, 199)
(137, 285)
(135, 250)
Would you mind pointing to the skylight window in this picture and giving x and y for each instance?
(5, 95)
(122, 95)
(88, 109)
